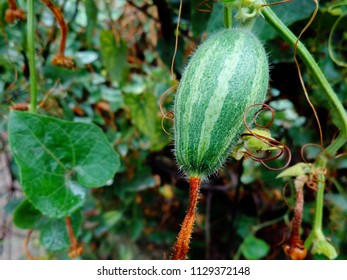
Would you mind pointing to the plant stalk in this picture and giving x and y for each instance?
(182, 245)
(228, 19)
(31, 56)
(317, 232)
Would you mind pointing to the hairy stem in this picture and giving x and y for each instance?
(12, 4)
(31, 56)
(182, 245)
(295, 248)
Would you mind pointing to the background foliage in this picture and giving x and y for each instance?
(123, 51)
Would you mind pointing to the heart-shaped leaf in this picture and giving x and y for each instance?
(57, 158)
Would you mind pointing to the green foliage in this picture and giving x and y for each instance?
(57, 159)
(254, 248)
(144, 112)
(114, 56)
(53, 233)
(130, 206)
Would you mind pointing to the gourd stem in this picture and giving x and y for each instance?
(31, 56)
(228, 19)
(182, 245)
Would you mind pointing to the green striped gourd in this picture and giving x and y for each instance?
(228, 73)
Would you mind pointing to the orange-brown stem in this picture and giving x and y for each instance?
(75, 249)
(62, 24)
(295, 248)
(182, 245)
(12, 4)
(26, 246)
(13, 12)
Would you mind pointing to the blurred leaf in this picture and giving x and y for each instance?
(325, 248)
(6, 69)
(56, 158)
(295, 170)
(26, 215)
(142, 180)
(337, 200)
(87, 57)
(92, 15)
(253, 248)
(114, 56)
(137, 223)
(113, 96)
(166, 49)
(111, 218)
(143, 110)
(216, 21)
(136, 85)
(63, 74)
(141, 183)
(54, 235)
(198, 19)
(136, 228)
(288, 13)
(244, 225)
(144, 114)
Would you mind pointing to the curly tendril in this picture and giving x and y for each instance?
(166, 115)
(60, 59)
(277, 145)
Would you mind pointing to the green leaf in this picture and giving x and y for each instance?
(56, 158)
(143, 110)
(216, 21)
(111, 218)
(26, 215)
(136, 228)
(198, 19)
(87, 57)
(244, 225)
(338, 200)
(144, 114)
(254, 248)
(54, 235)
(92, 15)
(113, 96)
(298, 169)
(114, 56)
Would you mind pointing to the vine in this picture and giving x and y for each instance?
(32, 56)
